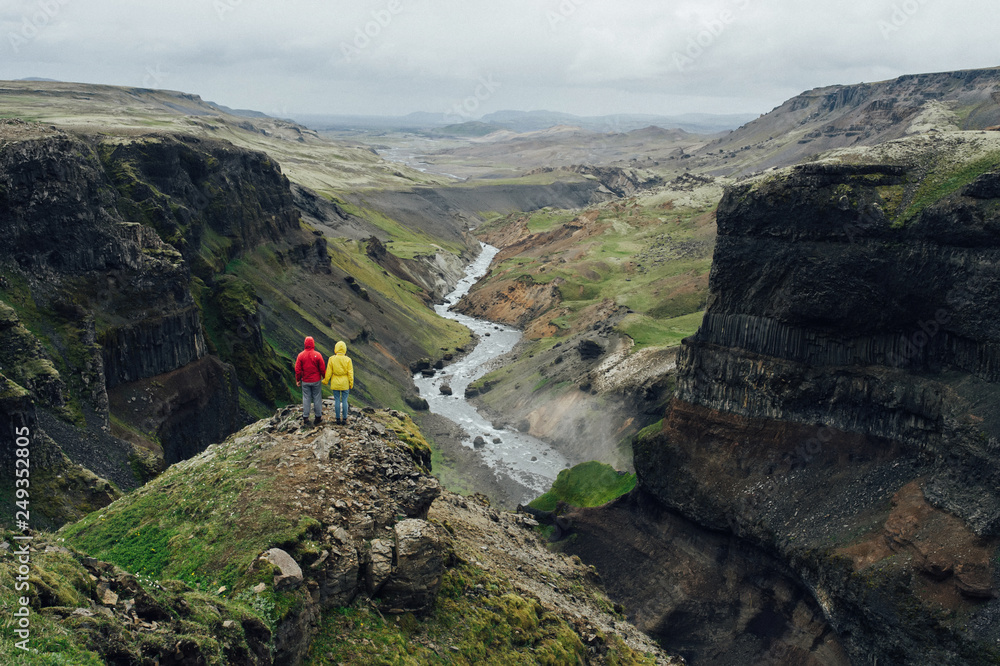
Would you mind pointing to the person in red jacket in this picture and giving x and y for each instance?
(309, 371)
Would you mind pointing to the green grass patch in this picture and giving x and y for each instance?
(650, 430)
(586, 485)
(59, 580)
(202, 523)
(942, 182)
(478, 619)
(649, 332)
(547, 219)
(415, 240)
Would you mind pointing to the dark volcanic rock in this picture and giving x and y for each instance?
(103, 236)
(416, 402)
(840, 406)
(589, 350)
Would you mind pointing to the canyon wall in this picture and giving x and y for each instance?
(106, 241)
(837, 420)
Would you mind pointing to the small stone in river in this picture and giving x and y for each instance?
(534, 458)
(446, 390)
(479, 442)
(497, 440)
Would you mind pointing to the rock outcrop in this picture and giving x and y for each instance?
(295, 527)
(839, 408)
(864, 114)
(101, 237)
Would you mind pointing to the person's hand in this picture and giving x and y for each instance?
(298, 383)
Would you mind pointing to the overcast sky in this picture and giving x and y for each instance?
(588, 57)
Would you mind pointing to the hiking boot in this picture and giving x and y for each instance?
(317, 420)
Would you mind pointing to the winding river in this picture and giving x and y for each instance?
(529, 461)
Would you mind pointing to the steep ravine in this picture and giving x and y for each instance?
(155, 288)
(824, 489)
(521, 462)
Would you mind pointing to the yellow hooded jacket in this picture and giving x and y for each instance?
(340, 369)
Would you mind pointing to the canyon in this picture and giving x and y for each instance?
(795, 352)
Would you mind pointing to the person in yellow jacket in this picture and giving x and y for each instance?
(340, 379)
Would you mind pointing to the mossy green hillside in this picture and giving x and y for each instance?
(48, 347)
(65, 629)
(588, 484)
(405, 241)
(202, 521)
(649, 256)
(231, 318)
(383, 331)
(651, 331)
(479, 619)
(945, 178)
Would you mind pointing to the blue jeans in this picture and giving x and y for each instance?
(312, 394)
(340, 398)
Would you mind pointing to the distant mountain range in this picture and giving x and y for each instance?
(532, 121)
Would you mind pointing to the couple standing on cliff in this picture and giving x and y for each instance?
(311, 371)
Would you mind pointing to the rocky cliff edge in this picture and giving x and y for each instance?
(331, 544)
(824, 487)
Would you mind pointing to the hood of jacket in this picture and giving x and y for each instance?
(340, 348)
(310, 343)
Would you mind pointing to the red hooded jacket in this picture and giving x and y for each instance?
(309, 366)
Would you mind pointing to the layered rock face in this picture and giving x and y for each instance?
(839, 407)
(106, 241)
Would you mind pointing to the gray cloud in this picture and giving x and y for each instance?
(580, 56)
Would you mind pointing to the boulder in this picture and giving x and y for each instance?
(416, 402)
(414, 584)
(422, 364)
(379, 566)
(446, 389)
(589, 350)
(291, 572)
